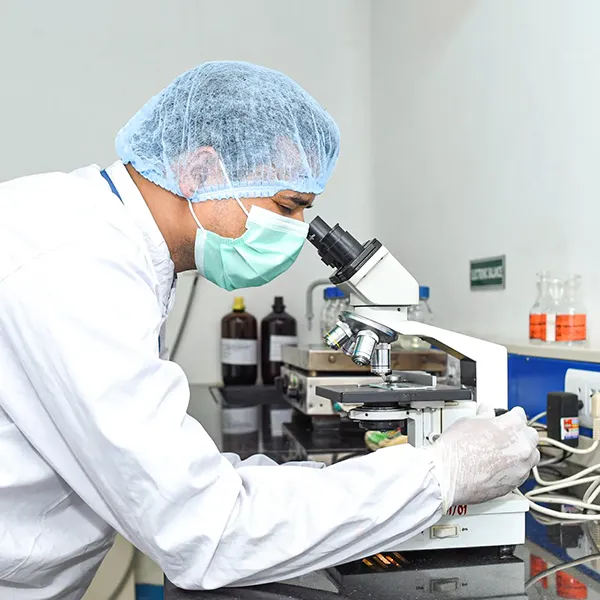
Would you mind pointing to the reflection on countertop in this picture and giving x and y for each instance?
(473, 573)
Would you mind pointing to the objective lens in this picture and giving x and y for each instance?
(381, 360)
(338, 336)
(365, 344)
(348, 347)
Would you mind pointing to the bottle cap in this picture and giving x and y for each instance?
(332, 293)
(423, 292)
(278, 305)
(239, 304)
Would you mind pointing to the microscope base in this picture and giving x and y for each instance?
(498, 523)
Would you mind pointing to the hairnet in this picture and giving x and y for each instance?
(231, 128)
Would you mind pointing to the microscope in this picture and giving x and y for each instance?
(381, 291)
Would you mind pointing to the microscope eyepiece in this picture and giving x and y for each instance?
(339, 249)
(336, 247)
(317, 230)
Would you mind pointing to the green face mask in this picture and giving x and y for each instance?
(269, 246)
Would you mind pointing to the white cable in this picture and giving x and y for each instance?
(586, 504)
(575, 477)
(548, 521)
(556, 514)
(561, 567)
(561, 485)
(592, 492)
(583, 477)
(536, 418)
(551, 442)
(568, 501)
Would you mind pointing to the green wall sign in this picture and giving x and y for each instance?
(488, 273)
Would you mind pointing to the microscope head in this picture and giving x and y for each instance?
(367, 271)
(381, 291)
(373, 278)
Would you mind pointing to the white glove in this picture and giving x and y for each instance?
(485, 457)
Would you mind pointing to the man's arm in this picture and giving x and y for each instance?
(110, 417)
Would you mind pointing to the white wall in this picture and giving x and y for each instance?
(486, 141)
(484, 137)
(73, 73)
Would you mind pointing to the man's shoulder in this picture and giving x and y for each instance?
(39, 214)
(52, 188)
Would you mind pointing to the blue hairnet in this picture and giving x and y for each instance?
(228, 129)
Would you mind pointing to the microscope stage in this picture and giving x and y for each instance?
(398, 394)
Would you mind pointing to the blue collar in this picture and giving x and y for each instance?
(113, 188)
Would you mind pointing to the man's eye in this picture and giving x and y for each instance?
(286, 209)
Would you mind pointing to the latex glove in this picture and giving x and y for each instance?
(485, 457)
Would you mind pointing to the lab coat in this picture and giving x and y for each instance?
(94, 435)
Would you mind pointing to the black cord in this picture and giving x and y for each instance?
(186, 316)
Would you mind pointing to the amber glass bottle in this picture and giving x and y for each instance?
(277, 329)
(239, 360)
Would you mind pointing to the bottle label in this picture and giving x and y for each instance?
(238, 352)
(571, 328)
(569, 428)
(277, 343)
(536, 324)
(549, 331)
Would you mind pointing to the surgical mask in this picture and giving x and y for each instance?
(269, 246)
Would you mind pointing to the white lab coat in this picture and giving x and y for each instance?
(94, 435)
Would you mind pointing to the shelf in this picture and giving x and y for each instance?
(574, 353)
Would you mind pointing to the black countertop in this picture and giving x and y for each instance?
(473, 574)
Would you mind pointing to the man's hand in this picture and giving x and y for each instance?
(484, 457)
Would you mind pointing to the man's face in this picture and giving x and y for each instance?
(227, 219)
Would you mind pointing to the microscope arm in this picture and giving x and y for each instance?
(490, 360)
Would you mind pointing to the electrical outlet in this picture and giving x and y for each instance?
(585, 384)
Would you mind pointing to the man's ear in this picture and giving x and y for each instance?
(199, 169)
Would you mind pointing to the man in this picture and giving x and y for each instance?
(214, 173)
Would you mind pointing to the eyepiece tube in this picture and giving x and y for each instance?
(317, 230)
(336, 247)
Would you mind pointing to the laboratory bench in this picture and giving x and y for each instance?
(471, 573)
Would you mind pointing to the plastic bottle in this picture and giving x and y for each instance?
(330, 295)
(336, 302)
(277, 329)
(343, 303)
(239, 346)
(421, 313)
(571, 318)
(537, 314)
